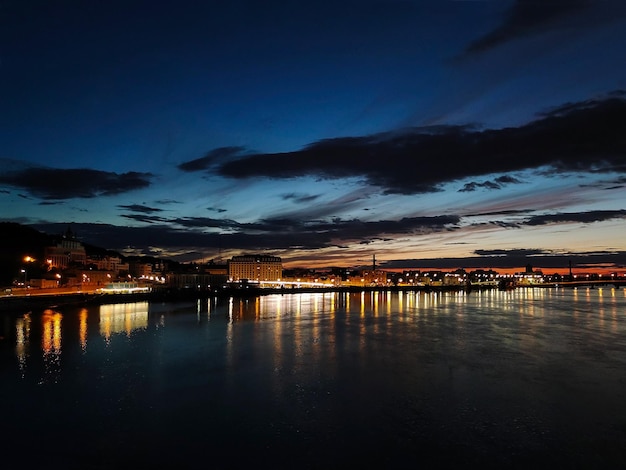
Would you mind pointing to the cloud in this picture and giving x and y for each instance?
(211, 158)
(337, 228)
(506, 179)
(497, 184)
(203, 233)
(577, 217)
(140, 208)
(300, 198)
(167, 201)
(518, 259)
(514, 252)
(585, 137)
(148, 219)
(502, 212)
(473, 186)
(54, 183)
(205, 222)
(50, 203)
(525, 18)
(188, 238)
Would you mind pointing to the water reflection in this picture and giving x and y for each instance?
(51, 345)
(123, 318)
(316, 375)
(82, 328)
(22, 341)
(311, 323)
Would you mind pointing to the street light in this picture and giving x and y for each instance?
(27, 259)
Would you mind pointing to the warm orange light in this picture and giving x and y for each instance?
(29, 259)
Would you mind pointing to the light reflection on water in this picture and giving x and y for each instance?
(603, 305)
(122, 318)
(451, 369)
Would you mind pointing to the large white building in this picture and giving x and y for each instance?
(257, 268)
(67, 251)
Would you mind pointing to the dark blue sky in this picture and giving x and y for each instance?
(429, 133)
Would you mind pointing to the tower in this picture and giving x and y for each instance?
(570, 271)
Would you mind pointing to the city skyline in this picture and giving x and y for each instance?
(432, 134)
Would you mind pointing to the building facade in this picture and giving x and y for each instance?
(108, 263)
(257, 268)
(66, 252)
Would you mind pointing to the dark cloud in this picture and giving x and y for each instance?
(584, 138)
(140, 208)
(572, 107)
(185, 239)
(503, 224)
(50, 203)
(300, 198)
(576, 217)
(506, 179)
(519, 259)
(54, 183)
(205, 222)
(473, 186)
(515, 252)
(497, 184)
(218, 155)
(525, 18)
(179, 242)
(148, 219)
(338, 228)
(167, 201)
(613, 183)
(193, 234)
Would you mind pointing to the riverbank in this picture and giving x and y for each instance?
(38, 299)
(43, 300)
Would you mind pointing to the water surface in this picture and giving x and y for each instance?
(523, 378)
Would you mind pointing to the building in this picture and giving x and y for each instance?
(108, 263)
(66, 252)
(198, 277)
(256, 268)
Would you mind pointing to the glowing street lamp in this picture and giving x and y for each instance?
(27, 259)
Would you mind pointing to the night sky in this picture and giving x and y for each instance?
(428, 133)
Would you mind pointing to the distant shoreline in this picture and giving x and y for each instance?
(19, 302)
(57, 300)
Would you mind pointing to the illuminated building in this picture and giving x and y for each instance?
(257, 268)
(67, 251)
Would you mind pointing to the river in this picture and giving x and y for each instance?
(527, 378)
